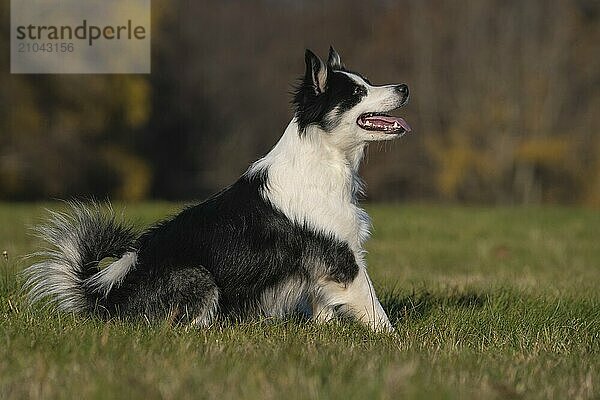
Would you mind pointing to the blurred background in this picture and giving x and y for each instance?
(505, 101)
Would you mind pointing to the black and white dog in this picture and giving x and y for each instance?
(286, 237)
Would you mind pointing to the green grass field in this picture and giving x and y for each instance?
(488, 303)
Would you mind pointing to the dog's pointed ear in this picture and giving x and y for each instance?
(316, 72)
(334, 61)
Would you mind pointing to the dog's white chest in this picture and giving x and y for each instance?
(321, 203)
(342, 220)
(312, 183)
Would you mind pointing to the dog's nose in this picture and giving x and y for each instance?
(402, 89)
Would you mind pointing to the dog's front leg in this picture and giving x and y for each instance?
(356, 298)
(321, 311)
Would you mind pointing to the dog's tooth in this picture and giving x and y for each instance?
(396, 125)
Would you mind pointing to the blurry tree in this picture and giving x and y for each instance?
(504, 101)
(71, 135)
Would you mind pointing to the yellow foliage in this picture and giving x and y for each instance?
(456, 161)
(137, 101)
(134, 173)
(547, 151)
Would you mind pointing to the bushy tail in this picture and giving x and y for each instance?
(77, 241)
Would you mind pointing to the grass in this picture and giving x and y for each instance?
(488, 303)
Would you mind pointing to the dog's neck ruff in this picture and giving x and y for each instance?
(315, 183)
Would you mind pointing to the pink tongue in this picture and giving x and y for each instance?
(384, 120)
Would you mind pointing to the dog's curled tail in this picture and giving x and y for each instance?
(68, 273)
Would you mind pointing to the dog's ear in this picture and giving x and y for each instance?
(316, 72)
(334, 61)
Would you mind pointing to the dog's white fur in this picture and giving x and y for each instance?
(113, 274)
(313, 179)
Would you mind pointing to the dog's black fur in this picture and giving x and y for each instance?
(223, 253)
(234, 242)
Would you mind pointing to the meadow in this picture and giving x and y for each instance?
(487, 302)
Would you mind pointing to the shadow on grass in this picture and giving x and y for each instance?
(419, 303)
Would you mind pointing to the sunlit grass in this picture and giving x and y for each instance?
(488, 303)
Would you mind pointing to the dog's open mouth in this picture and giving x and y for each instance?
(382, 123)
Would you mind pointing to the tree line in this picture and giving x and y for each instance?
(504, 101)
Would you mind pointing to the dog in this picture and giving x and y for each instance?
(287, 237)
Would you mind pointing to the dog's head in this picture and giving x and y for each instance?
(346, 104)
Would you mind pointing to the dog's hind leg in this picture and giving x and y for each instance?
(192, 296)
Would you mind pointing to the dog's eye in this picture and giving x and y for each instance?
(358, 90)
